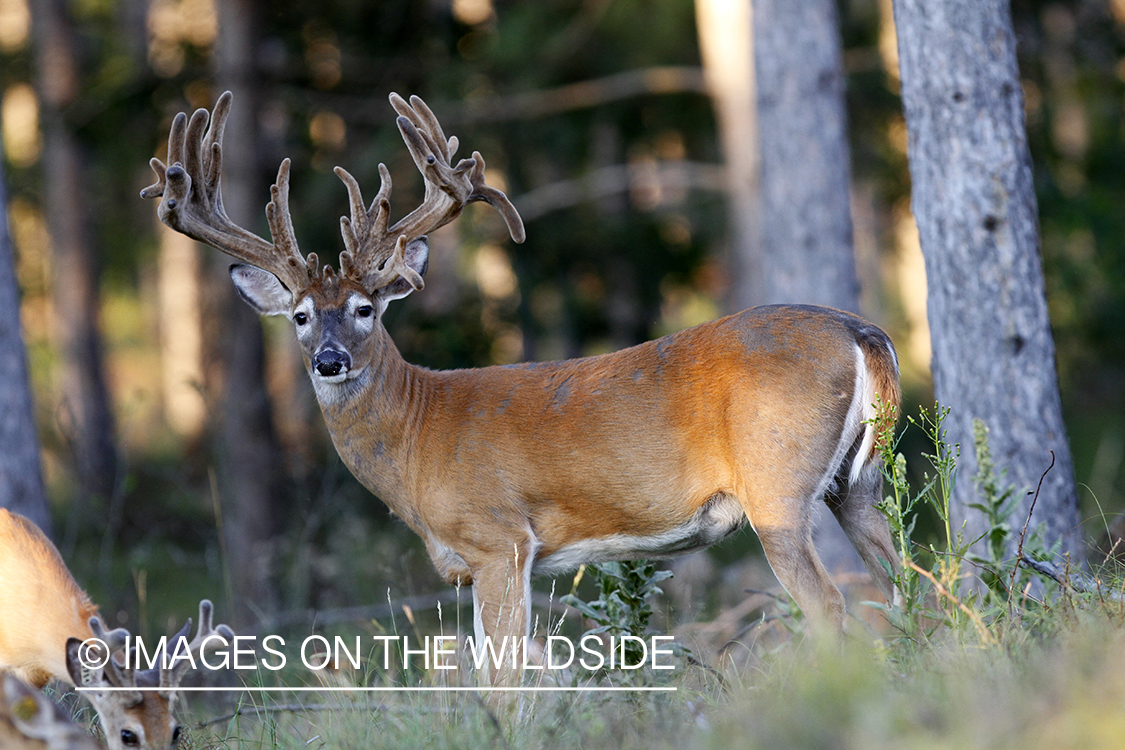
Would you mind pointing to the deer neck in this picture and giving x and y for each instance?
(374, 419)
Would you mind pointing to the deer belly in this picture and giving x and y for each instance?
(716, 519)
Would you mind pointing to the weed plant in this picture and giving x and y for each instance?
(623, 606)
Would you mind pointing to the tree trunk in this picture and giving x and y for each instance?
(807, 253)
(21, 481)
(776, 72)
(805, 206)
(181, 333)
(974, 201)
(85, 412)
(249, 454)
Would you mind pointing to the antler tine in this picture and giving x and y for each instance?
(213, 143)
(424, 119)
(496, 199)
(461, 184)
(115, 640)
(280, 220)
(191, 198)
(363, 228)
(193, 144)
(370, 245)
(207, 636)
(355, 227)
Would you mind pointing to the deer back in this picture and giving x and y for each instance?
(44, 619)
(41, 605)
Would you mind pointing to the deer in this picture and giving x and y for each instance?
(29, 720)
(508, 471)
(47, 621)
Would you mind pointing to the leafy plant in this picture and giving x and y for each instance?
(937, 589)
(622, 606)
(916, 617)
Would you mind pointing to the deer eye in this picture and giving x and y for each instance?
(300, 319)
(175, 736)
(364, 311)
(129, 738)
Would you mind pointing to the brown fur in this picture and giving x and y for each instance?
(41, 605)
(506, 466)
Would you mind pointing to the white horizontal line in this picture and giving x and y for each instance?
(416, 689)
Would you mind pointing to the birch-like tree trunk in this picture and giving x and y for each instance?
(974, 202)
(807, 249)
(21, 480)
(726, 46)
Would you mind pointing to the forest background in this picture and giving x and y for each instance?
(172, 474)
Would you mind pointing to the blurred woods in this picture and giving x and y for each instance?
(618, 127)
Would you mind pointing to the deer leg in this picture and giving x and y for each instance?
(501, 604)
(867, 529)
(777, 490)
(790, 553)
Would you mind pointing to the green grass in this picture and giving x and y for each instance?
(959, 666)
(1060, 688)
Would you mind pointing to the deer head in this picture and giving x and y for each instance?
(337, 315)
(136, 706)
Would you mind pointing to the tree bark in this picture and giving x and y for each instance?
(249, 454)
(85, 413)
(807, 253)
(974, 201)
(21, 481)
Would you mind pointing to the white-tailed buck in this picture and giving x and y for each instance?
(45, 618)
(652, 451)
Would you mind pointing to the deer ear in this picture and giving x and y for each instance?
(417, 258)
(261, 290)
(80, 674)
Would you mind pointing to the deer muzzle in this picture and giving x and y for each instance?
(332, 364)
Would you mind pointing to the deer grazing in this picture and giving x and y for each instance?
(506, 471)
(44, 620)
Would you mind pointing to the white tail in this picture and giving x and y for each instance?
(656, 450)
(44, 619)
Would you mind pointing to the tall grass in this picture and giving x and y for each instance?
(1000, 659)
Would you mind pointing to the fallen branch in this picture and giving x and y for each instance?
(1074, 580)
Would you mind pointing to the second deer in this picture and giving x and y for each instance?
(45, 618)
(506, 472)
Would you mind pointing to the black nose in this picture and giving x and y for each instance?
(330, 362)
